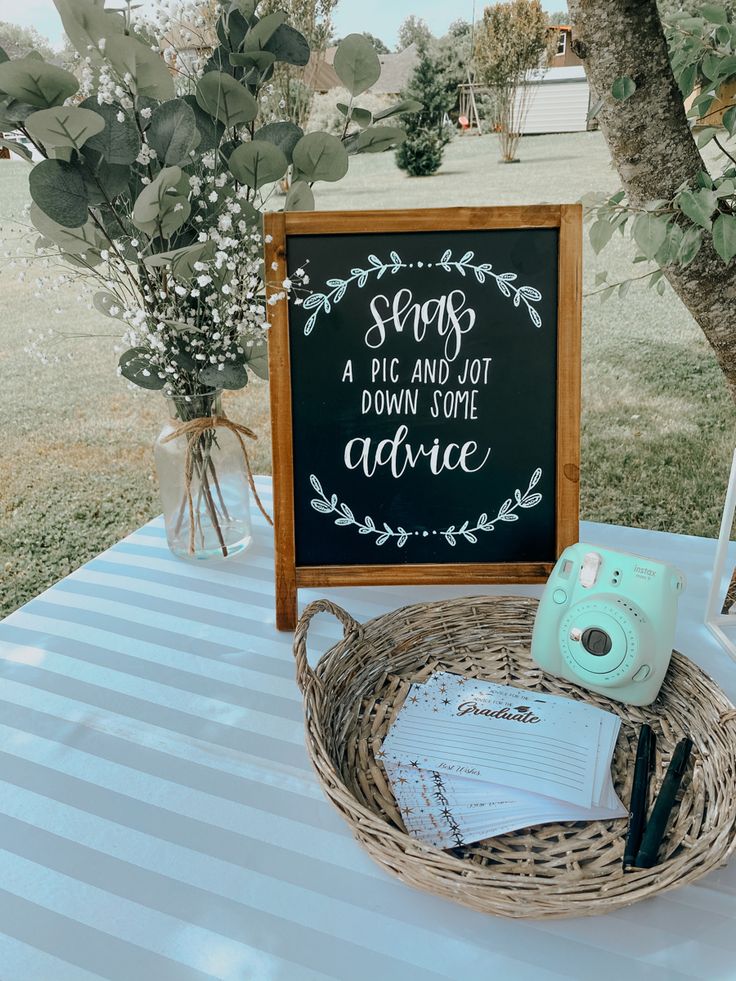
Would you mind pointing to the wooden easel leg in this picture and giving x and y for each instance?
(286, 601)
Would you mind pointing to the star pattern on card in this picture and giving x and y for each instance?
(413, 699)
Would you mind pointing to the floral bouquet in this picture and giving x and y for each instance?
(155, 171)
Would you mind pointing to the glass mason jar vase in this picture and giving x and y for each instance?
(203, 482)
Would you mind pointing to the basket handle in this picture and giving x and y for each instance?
(305, 675)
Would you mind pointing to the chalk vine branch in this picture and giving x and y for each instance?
(323, 302)
(345, 517)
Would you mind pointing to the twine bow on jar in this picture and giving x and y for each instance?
(194, 430)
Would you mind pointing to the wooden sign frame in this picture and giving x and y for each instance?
(278, 228)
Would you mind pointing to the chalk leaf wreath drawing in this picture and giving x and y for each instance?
(323, 302)
(384, 532)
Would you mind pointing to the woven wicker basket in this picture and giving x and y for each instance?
(551, 870)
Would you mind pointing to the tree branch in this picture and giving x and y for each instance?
(653, 148)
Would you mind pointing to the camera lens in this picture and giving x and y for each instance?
(596, 641)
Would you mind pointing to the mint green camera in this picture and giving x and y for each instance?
(607, 620)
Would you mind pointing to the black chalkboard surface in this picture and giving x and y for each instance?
(422, 411)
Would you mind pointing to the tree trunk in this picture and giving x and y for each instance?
(653, 148)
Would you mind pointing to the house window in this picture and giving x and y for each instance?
(562, 42)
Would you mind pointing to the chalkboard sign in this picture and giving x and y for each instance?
(425, 393)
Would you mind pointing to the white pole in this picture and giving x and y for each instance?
(724, 538)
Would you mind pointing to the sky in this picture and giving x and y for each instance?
(381, 17)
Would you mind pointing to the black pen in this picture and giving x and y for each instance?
(639, 793)
(654, 833)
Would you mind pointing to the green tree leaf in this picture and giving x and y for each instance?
(600, 234)
(64, 126)
(299, 197)
(623, 88)
(118, 142)
(59, 190)
(136, 366)
(320, 157)
(148, 70)
(650, 232)
(729, 120)
(697, 205)
(356, 63)
(231, 375)
(257, 163)
(173, 132)
(724, 236)
(284, 135)
(714, 12)
(224, 98)
(32, 82)
(706, 135)
(375, 139)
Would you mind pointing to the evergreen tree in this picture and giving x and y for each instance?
(426, 134)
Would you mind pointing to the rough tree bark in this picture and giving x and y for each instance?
(652, 146)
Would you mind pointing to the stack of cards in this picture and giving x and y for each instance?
(470, 759)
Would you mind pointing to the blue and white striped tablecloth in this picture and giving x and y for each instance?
(159, 820)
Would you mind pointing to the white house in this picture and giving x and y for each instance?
(558, 102)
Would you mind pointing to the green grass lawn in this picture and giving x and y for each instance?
(76, 466)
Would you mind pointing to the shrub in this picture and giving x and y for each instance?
(420, 155)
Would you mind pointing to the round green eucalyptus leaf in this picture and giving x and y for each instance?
(299, 197)
(231, 30)
(182, 260)
(59, 190)
(224, 98)
(104, 181)
(86, 23)
(376, 139)
(230, 375)
(105, 303)
(356, 63)
(33, 82)
(319, 157)
(210, 130)
(118, 142)
(256, 358)
(163, 207)
(406, 105)
(74, 241)
(258, 36)
(135, 365)
(257, 163)
(288, 46)
(148, 70)
(173, 132)
(283, 135)
(64, 126)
